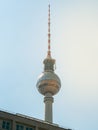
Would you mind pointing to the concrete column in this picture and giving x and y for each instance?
(48, 100)
(36, 128)
(14, 125)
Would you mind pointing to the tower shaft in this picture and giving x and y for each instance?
(48, 100)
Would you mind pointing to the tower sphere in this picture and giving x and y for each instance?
(48, 82)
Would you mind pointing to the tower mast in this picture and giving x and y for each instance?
(49, 35)
(48, 83)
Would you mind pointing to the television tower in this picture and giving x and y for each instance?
(48, 83)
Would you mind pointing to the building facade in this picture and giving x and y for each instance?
(9, 121)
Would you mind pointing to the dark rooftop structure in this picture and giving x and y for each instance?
(10, 121)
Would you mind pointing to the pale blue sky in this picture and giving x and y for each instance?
(23, 46)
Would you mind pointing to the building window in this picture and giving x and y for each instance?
(27, 128)
(30, 128)
(19, 127)
(6, 125)
(42, 129)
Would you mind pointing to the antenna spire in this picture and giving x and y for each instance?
(49, 47)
